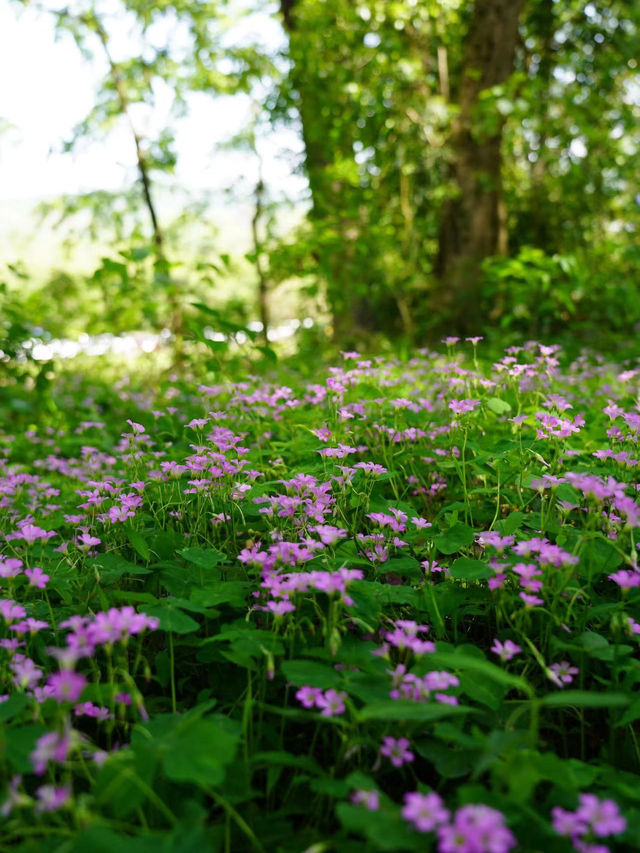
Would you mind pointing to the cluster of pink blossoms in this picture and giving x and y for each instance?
(12, 567)
(330, 702)
(474, 828)
(530, 575)
(406, 685)
(592, 820)
(405, 635)
(283, 587)
(111, 626)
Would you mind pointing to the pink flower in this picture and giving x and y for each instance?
(331, 702)
(88, 709)
(531, 600)
(52, 798)
(26, 673)
(50, 747)
(29, 626)
(10, 567)
(86, 541)
(462, 407)
(506, 650)
(308, 696)
(625, 579)
(197, 423)
(424, 811)
(30, 533)
(397, 751)
(475, 829)
(369, 799)
(37, 577)
(599, 817)
(66, 686)
(567, 823)
(603, 816)
(279, 608)
(562, 673)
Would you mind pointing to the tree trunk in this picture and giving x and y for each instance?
(356, 312)
(162, 268)
(263, 284)
(473, 223)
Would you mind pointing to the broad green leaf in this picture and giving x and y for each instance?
(401, 709)
(233, 593)
(201, 557)
(385, 830)
(311, 673)
(457, 537)
(13, 706)
(464, 568)
(172, 618)
(585, 699)
(138, 543)
(498, 406)
(199, 752)
(467, 663)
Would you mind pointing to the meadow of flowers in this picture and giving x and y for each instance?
(395, 608)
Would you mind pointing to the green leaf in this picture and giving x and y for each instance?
(206, 559)
(12, 706)
(457, 537)
(498, 406)
(20, 743)
(464, 568)
(585, 699)
(124, 781)
(312, 673)
(138, 543)
(400, 709)
(268, 353)
(233, 593)
(511, 523)
(199, 752)
(277, 758)
(482, 689)
(112, 567)
(630, 715)
(384, 829)
(173, 619)
(467, 663)
(191, 747)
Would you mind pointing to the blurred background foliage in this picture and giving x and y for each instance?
(470, 167)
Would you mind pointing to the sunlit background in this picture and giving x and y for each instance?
(307, 160)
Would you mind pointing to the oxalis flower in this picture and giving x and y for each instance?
(562, 673)
(397, 751)
(593, 819)
(424, 811)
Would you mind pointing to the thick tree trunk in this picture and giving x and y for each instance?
(473, 223)
(544, 22)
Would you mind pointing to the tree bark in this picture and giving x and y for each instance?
(162, 269)
(263, 284)
(473, 223)
(355, 312)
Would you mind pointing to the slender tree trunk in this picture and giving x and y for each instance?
(161, 261)
(263, 285)
(473, 223)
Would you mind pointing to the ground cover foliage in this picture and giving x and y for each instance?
(394, 607)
